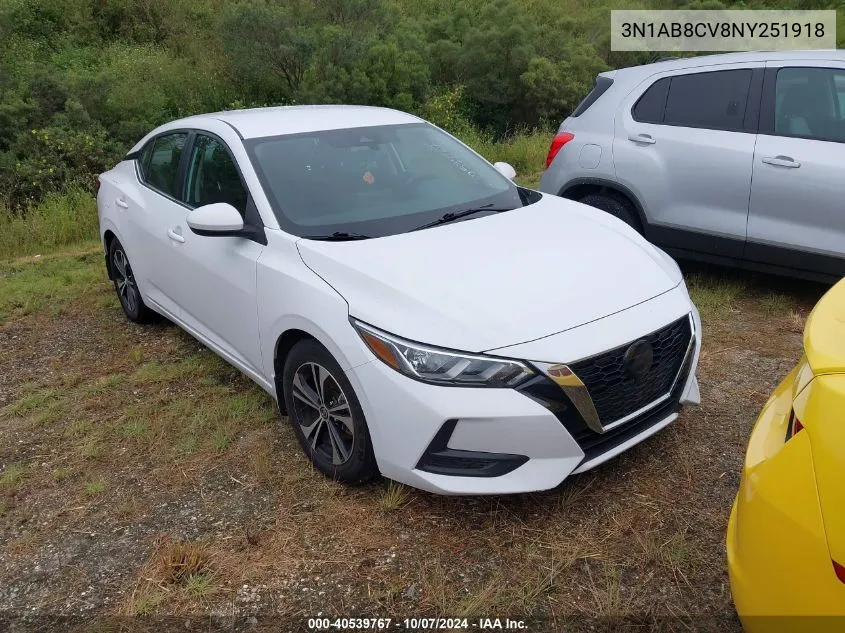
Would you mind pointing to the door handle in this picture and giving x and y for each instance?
(645, 139)
(176, 237)
(782, 161)
(122, 203)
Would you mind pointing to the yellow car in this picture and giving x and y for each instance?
(786, 534)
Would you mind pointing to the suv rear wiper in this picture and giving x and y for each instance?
(457, 215)
(338, 236)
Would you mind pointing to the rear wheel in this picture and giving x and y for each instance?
(616, 206)
(326, 415)
(125, 285)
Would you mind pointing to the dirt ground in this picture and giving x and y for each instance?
(144, 484)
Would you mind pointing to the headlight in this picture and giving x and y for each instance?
(440, 366)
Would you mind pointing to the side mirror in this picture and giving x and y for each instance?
(505, 169)
(218, 219)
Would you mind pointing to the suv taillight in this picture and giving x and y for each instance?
(560, 139)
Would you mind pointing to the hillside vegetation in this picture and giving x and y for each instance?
(82, 80)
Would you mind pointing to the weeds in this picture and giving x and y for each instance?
(13, 475)
(95, 487)
(395, 497)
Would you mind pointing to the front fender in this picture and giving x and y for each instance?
(293, 297)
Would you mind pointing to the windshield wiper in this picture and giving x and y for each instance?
(338, 236)
(457, 215)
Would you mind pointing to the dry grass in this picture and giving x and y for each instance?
(177, 570)
(180, 468)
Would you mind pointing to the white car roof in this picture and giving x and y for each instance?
(260, 122)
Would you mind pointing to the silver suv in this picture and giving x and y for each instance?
(737, 159)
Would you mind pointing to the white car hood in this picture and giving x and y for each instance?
(496, 280)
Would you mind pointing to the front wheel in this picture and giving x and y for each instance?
(326, 415)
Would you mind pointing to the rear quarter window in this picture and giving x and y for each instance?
(601, 86)
(651, 106)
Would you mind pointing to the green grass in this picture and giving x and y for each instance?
(104, 385)
(395, 497)
(714, 297)
(134, 429)
(146, 600)
(200, 584)
(525, 152)
(60, 474)
(95, 487)
(43, 285)
(34, 402)
(13, 475)
(777, 303)
(60, 220)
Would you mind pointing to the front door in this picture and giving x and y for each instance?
(797, 209)
(217, 275)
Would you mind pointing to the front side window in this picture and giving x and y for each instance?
(161, 169)
(713, 100)
(809, 103)
(212, 176)
(375, 181)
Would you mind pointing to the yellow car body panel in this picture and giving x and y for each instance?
(787, 524)
(824, 334)
(823, 408)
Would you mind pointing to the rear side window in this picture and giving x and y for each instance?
(144, 160)
(651, 106)
(713, 100)
(160, 169)
(602, 84)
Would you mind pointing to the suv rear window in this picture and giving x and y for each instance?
(601, 86)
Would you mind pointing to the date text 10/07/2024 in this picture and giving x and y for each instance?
(415, 624)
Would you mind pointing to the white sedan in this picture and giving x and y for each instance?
(413, 311)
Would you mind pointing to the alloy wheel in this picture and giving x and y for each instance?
(322, 411)
(124, 280)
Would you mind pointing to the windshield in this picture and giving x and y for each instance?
(375, 181)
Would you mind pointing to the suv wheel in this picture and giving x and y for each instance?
(326, 416)
(615, 206)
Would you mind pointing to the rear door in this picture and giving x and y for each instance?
(684, 145)
(150, 209)
(797, 208)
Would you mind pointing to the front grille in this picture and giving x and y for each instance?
(615, 394)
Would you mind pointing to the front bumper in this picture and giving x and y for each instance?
(407, 419)
(778, 559)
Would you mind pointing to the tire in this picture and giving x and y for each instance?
(338, 444)
(125, 285)
(614, 205)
